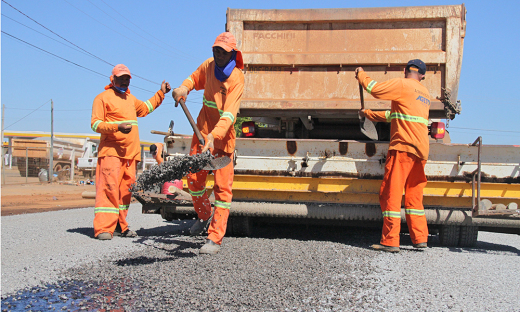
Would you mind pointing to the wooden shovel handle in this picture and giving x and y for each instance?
(361, 96)
(192, 122)
(159, 132)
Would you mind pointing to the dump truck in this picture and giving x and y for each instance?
(302, 156)
(33, 155)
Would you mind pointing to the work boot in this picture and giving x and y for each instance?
(210, 248)
(127, 233)
(420, 245)
(199, 227)
(385, 248)
(104, 236)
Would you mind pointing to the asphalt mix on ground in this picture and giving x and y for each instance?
(51, 261)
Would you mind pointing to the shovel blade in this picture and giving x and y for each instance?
(218, 163)
(368, 128)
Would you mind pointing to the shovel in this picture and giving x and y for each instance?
(215, 164)
(367, 126)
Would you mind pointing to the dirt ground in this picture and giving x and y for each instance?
(40, 197)
(28, 195)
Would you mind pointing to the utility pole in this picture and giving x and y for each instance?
(3, 166)
(51, 163)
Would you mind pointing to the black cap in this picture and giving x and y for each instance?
(153, 149)
(419, 64)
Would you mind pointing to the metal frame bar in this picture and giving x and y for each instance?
(477, 172)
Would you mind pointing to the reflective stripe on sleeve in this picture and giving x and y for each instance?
(197, 193)
(415, 212)
(409, 118)
(387, 116)
(124, 207)
(189, 78)
(95, 125)
(149, 105)
(228, 115)
(392, 214)
(370, 86)
(106, 210)
(222, 204)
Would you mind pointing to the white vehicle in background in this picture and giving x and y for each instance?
(88, 161)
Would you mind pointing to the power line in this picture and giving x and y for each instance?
(56, 33)
(64, 59)
(148, 47)
(97, 57)
(483, 129)
(27, 114)
(113, 18)
(44, 34)
(487, 134)
(145, 30)
(32, 45)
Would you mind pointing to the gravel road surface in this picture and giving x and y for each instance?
(51, 262)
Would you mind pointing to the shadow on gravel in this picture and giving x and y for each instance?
(88, 231)
(181, 249)
(174, 228)
(488, 248)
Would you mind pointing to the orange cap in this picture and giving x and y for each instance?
(227, 41)
(120, 70)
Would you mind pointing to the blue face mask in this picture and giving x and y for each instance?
(223, 73)
(121, 90)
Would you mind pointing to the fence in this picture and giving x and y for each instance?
(27, 164)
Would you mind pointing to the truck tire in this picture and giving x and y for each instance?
(449, 235)
(238, 227)
(468, 236)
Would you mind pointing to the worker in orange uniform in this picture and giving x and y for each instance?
(407, 152)
(223, 84)
(157, 152)
(114, 115)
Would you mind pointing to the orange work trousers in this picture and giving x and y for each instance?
(114, 176)
(403, 171)
(221, 189)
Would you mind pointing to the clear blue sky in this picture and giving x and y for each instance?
(167, 40)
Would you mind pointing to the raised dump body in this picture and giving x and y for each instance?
(299, 64)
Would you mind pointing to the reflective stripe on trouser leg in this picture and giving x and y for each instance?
(197, 186)
(390, 197)
(127, 177)
(223, 196)
(413, 201)
(107, 195)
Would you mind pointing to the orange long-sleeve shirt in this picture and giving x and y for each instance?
(220, 104)
(408, 115)
(112, 108)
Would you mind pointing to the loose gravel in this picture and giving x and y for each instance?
(173, 169)
(51, 261)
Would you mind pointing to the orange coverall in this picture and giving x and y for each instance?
(218, 114)
(407, 155)
(118, 154)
